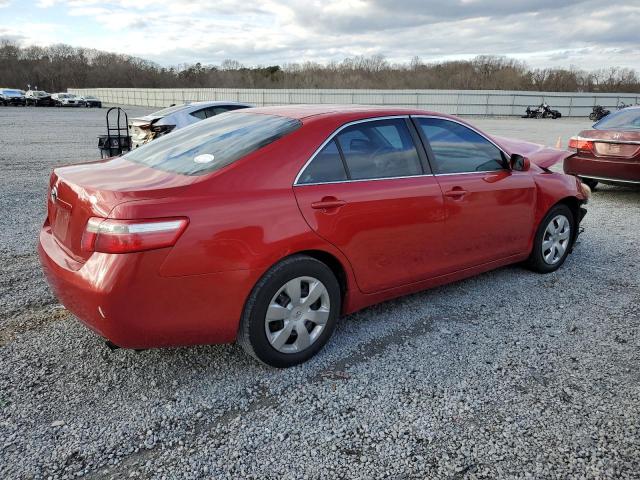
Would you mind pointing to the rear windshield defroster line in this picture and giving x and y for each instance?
(212, 144)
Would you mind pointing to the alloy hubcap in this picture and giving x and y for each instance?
(556, 239)
(297, 314)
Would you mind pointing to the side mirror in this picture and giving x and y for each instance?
(519, 163)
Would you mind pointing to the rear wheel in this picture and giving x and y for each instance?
(553, 240)
(291, 312)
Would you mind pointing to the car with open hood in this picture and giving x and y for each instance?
(144, 129)
(609, 152)
(265, 226)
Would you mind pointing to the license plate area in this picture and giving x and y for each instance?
(615, 149)
(61, 223)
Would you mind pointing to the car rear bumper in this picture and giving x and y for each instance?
(619, 170)
(123, 298)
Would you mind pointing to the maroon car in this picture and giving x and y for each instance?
(609, 152)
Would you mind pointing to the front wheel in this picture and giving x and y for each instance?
(291, 312)
(553, 240)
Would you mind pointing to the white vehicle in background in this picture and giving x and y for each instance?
(144, 129)
(66, 100)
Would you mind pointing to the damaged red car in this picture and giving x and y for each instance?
(609, 152)
(265, 225)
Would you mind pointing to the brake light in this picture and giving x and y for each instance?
(577, 143)
(124, 236)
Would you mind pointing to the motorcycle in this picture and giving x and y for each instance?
(548, 112)
(598, 113)
(622, 105)
(541, 111)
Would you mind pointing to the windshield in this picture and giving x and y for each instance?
(627, 119)
(12, 93)
(211, 144)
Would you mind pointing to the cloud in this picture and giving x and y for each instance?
(584, 33)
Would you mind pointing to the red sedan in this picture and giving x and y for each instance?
(265, 225)
(609, 152)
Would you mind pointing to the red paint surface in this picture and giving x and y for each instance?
(391, 237)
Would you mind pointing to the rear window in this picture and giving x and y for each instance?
(627, 119)
(211, 144)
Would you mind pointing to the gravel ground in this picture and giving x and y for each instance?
(507, 375)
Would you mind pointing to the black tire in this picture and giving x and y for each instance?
(252, 335)
(590, 182)
(536, 261)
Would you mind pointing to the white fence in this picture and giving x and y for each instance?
(456, 102)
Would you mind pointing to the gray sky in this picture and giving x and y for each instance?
(585, 34)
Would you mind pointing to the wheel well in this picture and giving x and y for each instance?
(574, 205)
(333, 263)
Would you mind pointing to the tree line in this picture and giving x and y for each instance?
(58, 67)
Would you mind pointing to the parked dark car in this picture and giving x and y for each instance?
(91, 102)
(609, 152)
(13, 97)
(38, 98)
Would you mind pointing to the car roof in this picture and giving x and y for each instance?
(301, 112)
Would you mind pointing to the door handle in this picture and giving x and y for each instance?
(456, 192)
(327, 203)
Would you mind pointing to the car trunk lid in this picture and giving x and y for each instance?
(613, 143)
(79, 192)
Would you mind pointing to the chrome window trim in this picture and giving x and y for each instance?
(390, 117)
(366, 179)
(333, 135)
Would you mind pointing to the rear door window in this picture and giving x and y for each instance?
(379, 149)
(209, 145)
(325, 167)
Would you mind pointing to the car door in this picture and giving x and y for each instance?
(489, 208)
(369, 192)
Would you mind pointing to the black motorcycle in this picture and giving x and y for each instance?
(541, 111)
(548, 112)
(532, 112)
(598, 113)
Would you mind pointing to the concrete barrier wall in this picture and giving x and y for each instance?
(456, 102)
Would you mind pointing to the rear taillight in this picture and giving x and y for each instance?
(123, 236)
(577, 143)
